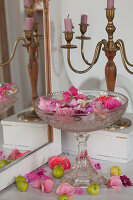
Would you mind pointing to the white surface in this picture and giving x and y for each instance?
(105, 145)
(24, 134)
(105, 194)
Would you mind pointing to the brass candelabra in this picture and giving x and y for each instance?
(31, 42)
(110, 47)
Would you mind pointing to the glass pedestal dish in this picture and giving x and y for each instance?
(82, 174)
(8, 100)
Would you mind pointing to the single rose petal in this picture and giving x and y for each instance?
(79, 191)
(49, 184)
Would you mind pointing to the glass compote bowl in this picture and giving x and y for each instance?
(82, 174)
(8, 100)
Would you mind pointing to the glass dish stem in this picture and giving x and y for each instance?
(82, 174)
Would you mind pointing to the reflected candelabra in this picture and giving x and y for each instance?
(31, 42)
(110, 48)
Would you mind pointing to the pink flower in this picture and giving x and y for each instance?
(97, 166)
(36, 176)
(79, 191)
(96, 106)
(72, 94)
(65, 188)
(63, 161)
(12, 156)
(2, 157)
(112, 104)
(73, 91)
(126, 181)
(45, 186)
(114, 182)
(47, 105)
(16, 154)
(5, 89)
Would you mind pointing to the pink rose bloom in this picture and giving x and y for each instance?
(112, 104)
(47, 105)
(114, 182)
(65, 188)
(65, 110)
(45, 186)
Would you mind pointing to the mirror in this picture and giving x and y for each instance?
(19, 138)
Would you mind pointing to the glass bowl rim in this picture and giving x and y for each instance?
(84, 114)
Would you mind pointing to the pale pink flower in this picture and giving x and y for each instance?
(45, 186)
(47, 105)
(114, 183)
(112, 104)
(65, 188)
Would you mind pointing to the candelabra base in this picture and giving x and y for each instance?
(28, 116)
(120, 124)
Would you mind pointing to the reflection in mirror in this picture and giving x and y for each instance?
(20, 138)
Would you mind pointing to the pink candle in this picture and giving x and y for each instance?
(29, 24)
(84, 19)
(110, 4)
(68, 25)
(28, 3)
(35, 18)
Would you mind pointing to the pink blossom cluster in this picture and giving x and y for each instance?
(4, 91)
(73, 103)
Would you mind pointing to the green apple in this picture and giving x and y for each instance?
(22, 186)
(20, 178)
(3, 163)
(63, 197)
(93, 189)
(58, 171)
(115, 170)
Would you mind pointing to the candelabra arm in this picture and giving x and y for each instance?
(124, 52)
(95, 58)
(96, 54)
(14, 50)
(120, 44)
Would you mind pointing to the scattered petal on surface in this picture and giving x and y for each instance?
(126, 181)
(79, 191)
(65, 188)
